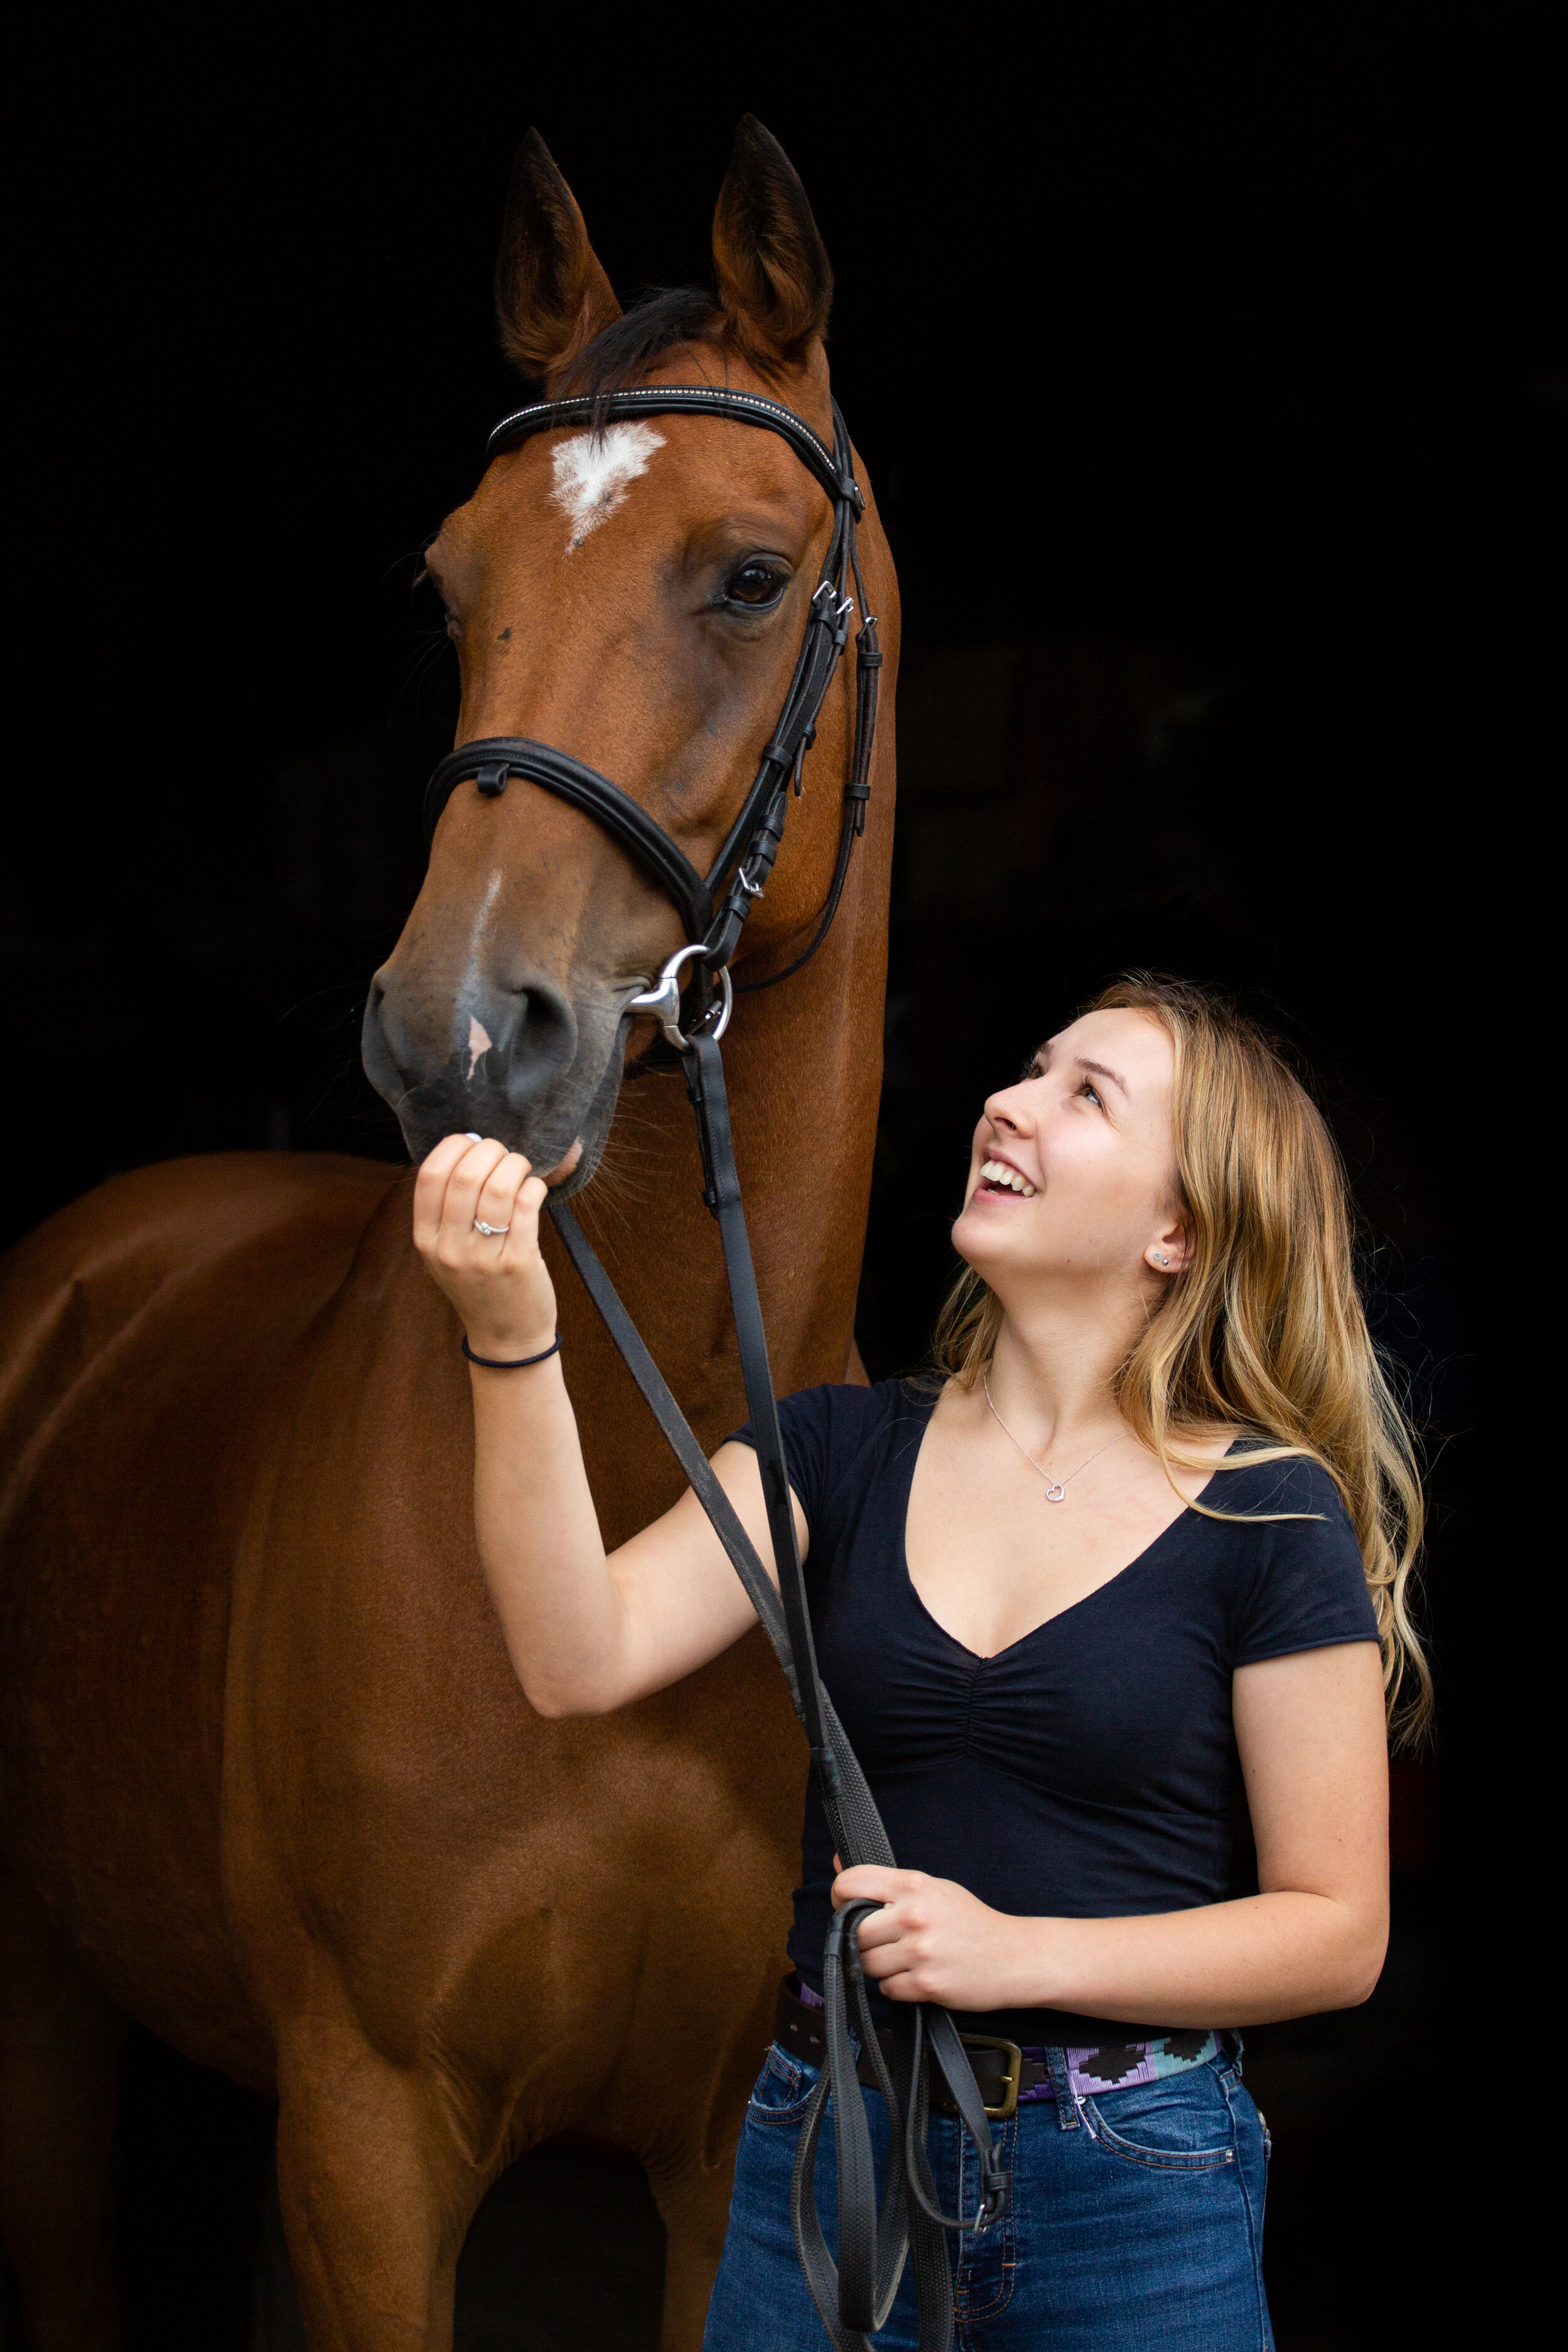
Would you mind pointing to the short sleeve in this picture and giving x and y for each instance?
(805, 1422)
(827, 1433)
(1310, 1589)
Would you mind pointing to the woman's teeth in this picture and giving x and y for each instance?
(997, 1172)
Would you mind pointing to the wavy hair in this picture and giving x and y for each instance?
(1263, 1328)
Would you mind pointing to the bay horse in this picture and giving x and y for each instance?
(268, 1781)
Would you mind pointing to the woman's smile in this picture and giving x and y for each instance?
(1001, 1180)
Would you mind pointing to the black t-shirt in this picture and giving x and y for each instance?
(1088, 1770)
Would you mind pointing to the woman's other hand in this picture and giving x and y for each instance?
(932, 1940)
(497, 1282)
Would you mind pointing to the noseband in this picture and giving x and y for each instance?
(853, 2297)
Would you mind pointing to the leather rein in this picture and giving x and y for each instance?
(853, 2296)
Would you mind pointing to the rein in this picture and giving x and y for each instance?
(853, 2298)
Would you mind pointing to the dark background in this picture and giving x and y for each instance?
(1207, 365)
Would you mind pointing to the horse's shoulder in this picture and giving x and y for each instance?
(216, 1251)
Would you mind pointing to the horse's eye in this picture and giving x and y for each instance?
(755, 583)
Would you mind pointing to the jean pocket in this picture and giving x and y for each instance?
(1181, 2124)
(782, 2090)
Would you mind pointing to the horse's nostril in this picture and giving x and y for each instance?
(541, 1040)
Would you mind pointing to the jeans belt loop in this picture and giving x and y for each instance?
(1061, 2083)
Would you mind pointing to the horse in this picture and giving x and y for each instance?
(268, 1781)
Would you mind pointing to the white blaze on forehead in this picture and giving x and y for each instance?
(592, 471)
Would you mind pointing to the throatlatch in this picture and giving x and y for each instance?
(853, 2298)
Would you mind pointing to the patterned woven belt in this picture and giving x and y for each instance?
(1009, 2073)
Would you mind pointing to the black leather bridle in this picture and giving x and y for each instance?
(853, 2297)
(714, 916)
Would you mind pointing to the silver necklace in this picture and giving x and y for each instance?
(1055, 1488)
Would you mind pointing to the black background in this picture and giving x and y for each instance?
(1207, 365)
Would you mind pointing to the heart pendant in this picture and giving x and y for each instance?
(1056, 1493)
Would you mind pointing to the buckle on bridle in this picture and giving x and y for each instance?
(663, 1000)
(1012, 2073)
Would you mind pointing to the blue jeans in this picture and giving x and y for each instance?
(1135, 2225)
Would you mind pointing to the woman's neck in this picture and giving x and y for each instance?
(1052, 1376)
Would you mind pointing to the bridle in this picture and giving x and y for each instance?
(853, 2297)
(714, 916)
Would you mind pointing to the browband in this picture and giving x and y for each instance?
(677, 400)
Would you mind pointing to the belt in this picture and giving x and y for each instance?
(1001, 2069)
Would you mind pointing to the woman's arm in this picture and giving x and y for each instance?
(587, 1633)
(1310, 1729)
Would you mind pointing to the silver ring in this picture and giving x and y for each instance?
(490, 1233)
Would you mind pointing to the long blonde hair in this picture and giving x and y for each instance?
(1263, 1328)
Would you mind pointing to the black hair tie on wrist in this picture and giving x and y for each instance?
(512, 1363)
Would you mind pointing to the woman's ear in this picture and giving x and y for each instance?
(552, 294)
(774, 283)
(1172, 1251)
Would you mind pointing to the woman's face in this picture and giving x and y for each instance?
(1081, 1161)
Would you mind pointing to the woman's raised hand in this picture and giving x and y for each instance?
(498, 1281)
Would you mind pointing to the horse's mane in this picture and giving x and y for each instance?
(622, 354)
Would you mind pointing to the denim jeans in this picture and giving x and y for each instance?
(1135, 2224)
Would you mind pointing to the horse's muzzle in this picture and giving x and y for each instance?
(516, 1063)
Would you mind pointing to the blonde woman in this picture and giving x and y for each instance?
(1147, 1531)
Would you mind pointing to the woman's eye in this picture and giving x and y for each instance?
(754, 584)
(1089, 1089)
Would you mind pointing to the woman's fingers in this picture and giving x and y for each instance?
(869, 1883)
(496, 1279)
(498, 1201)
(882, 1926)
(461, 1206)
(464, 1179)
(522, 1236)
(430, 1188)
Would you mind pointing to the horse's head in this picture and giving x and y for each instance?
(635, 597)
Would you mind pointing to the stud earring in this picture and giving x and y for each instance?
(1162, 1257)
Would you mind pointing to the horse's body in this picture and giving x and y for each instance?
(268, 1782)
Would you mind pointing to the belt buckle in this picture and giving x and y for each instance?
(1013, 2074)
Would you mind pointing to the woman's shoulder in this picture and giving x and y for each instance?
(853, 1402)
(845, 1413)
(841, 1426)
(1256, 1479)
(1297, 1580)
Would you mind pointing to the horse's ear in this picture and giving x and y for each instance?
(775, 282)
(552, 294)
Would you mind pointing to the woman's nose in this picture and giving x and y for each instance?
(1003, 1109)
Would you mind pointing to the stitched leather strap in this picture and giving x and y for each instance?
(683, 400)
(493, 758)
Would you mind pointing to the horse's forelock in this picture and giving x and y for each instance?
(622, 354)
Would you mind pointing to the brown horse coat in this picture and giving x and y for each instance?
(266, 1779)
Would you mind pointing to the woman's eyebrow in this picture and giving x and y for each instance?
(1101, 1071)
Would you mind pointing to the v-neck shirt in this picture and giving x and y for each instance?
(1090, 1769)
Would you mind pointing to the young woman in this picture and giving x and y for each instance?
(1150, 1527)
